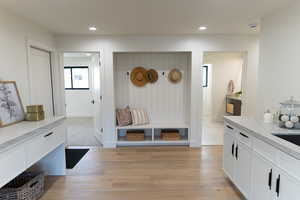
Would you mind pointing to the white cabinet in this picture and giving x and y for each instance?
(243, 168)
(287, 187)
(259, 170)
(12, 164)
(237, 158)
(262, 179)
(228, 154)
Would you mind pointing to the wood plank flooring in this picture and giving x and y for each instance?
(145, 173)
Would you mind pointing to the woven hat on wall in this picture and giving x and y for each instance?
(138, 76)
(152, 76)
(175, 76)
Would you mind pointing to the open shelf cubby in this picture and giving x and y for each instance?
(152, 136)
(167, 104)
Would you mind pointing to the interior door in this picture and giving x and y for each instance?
(97, 95)
(41, 80)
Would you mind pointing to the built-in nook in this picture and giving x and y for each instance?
(167, 104)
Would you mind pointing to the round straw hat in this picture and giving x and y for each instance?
(152, 76)
(175, 76)
(138, 76)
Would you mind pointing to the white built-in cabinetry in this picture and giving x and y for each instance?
(167, 104)
(36, 145)
(259, 170)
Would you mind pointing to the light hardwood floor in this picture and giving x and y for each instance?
(145, 173)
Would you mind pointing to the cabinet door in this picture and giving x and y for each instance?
(287, 187)
(228, 154)
(243, 168)
(263, 174)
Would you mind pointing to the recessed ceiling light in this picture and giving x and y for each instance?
(202, 28)
(93, 28)
(88, 54)
(253, 26)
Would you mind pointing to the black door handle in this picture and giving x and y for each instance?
(237, 152)
(270, 179)
(232, 149)
(278, 185)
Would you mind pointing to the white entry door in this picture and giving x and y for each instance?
(40, 80)
(97, 95)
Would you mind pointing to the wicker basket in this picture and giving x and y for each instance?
(170, 135)
(138, 135)
(27, 186)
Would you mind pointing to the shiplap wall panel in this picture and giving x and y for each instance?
(164, 101)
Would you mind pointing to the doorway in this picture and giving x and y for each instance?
(83, 98)
(222, 92)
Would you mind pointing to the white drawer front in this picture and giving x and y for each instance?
(244, 137)
(229, 128)
(289, 164)
(43, 144)
(264, 149)
(12, 163)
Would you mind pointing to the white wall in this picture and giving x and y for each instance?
(197, 44)
(224, 67)
(14, 33)
(279, 70)
(78, 102)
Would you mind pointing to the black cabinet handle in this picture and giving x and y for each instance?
(48, 134)
(237, 152)
(270, 179)
(232, 149)
(229, 127)
(242, 134)
(278, 185)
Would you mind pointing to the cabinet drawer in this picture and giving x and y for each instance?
(229, 128)
(289, 164)
(264, 149)
(12, 163)
(43, 144)
(244, 138)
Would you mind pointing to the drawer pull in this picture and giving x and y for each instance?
(242, 134)
(48, 134)
(229, 127)
(33, 184)
(232, 149)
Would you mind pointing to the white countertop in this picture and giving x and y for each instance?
(20, 132)
(265, 132)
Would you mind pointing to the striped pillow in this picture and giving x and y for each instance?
(139, 117)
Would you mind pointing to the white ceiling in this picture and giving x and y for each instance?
(145, 16)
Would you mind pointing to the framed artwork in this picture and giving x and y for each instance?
(11, 108)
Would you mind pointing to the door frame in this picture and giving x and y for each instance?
(56, 98)
(62, 88)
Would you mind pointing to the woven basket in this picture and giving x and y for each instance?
(27, 186)
(170, 135)
(138, 135)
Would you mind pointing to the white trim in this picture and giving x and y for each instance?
(56, 82)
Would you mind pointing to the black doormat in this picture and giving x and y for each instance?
(73, 156)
